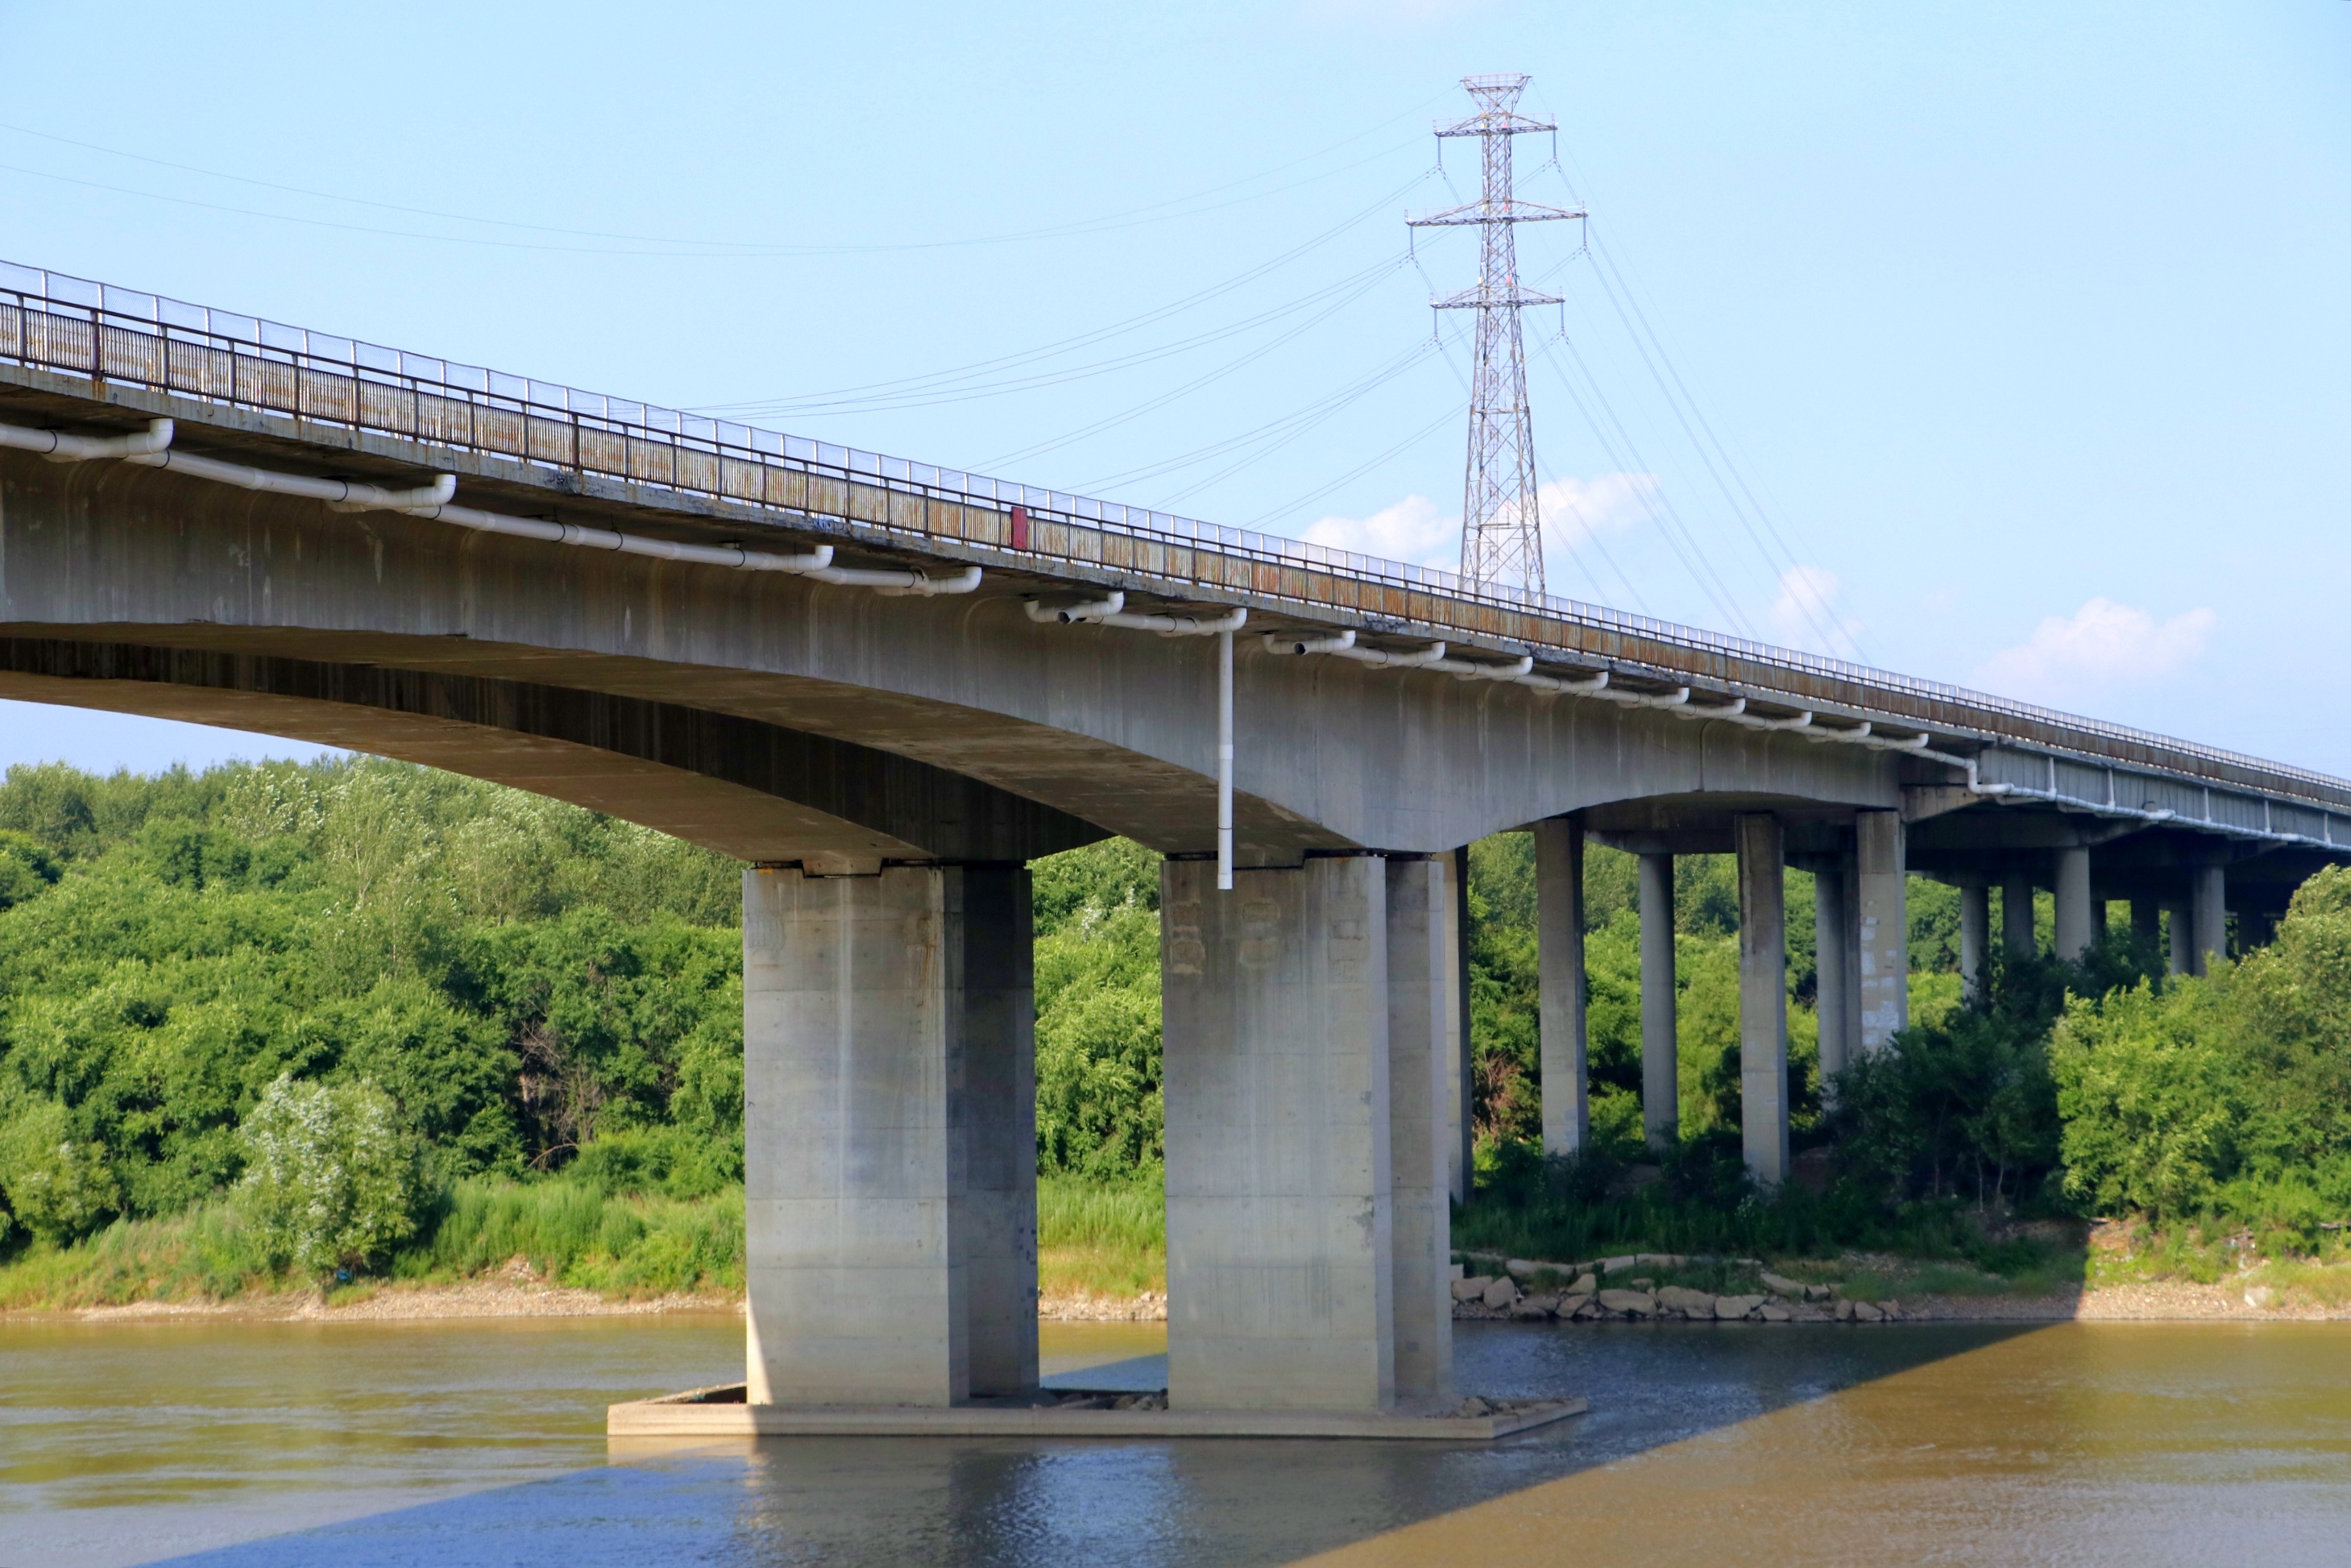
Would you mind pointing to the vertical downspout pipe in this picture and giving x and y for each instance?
(1224, 762)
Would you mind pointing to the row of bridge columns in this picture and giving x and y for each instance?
(2199, 916)
(1317, 1089)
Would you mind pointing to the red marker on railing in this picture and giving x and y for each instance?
(1020, 528)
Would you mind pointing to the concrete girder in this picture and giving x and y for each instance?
(1113, 727)
(755, 791)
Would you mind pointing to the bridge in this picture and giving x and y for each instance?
(888, 685)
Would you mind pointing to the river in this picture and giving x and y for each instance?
(241, 1445)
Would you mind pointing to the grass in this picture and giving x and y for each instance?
(1097, 1239)
(572, 1234)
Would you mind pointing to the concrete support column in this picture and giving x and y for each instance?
(2147, 920)
(1661, 1116)
(1763, 997)
(2016, 935)
(1420, 952)
(1280, 1259)
(1559, 925)
(2073, 932)
(2208, 918)
(2097, 919)
(2183, 937)
(1461, 1057)
(1975, 938)
(1834, 932)
(1883, 876)
(889, 1136)
(1000, 1009)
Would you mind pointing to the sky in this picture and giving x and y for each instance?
(1996, 343)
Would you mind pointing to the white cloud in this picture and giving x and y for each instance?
(2101, 644)
(1414, 530)
(1575, 509)
(1805, 615)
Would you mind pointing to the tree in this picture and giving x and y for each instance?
(331, 1178)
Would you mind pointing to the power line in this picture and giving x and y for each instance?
(1095, 335)
(1151, 212)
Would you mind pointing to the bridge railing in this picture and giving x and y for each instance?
(81, 328)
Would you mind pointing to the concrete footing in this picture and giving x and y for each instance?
(705, 1413)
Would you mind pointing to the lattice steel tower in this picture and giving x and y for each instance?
(1501, 525)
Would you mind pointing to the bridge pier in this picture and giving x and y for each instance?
(1882, 879)
(1285, 1090)
(2075, 929)
(1763, 996)
(889, 1135)
(2016, 935)
(1975, 937)
(1559, 984)
(1422, 1017)
(2208, 893)
(1834, 933)
(1660, 1070)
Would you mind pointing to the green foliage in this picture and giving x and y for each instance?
(2222, 1099)
(518, 977)
(331, 1176)
(1098, 1054)
(574, 1233)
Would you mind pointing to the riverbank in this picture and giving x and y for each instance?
(508, 1295)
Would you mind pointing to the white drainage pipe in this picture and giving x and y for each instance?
(341, 494)
(59, 448)
(548, 532)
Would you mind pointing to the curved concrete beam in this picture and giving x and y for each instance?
(745, 789)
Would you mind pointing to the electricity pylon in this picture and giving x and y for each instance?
(1501, 525)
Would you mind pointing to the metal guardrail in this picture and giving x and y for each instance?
(78, 327)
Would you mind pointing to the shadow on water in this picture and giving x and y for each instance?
(1019, 1502)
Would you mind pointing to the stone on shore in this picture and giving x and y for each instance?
(1472, 1288)
(1501, 1293)
(1730, 1308)
(1865, 1314)
(1529, 1309)
(1631, 1303)
(1688, 1302)
(1618, 1265)
(1844, 1311)
(1576, 1305)
(1774, 1313)
(2260, 1296)
(1780, 1285)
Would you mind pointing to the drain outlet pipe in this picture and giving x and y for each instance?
(1110, 611)
(344, 495)
(548, 532)
(59, 448)
(892, 584)
(1225, 759)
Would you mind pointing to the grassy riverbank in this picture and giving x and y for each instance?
(1104, 1240)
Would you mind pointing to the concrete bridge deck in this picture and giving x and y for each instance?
(888, 718)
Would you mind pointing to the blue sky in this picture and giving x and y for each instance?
(2014, 335)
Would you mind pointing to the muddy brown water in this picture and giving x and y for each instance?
(481, 1442)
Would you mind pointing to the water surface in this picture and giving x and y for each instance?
(459, 1444)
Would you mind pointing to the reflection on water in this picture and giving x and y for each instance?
(2089, 1443)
